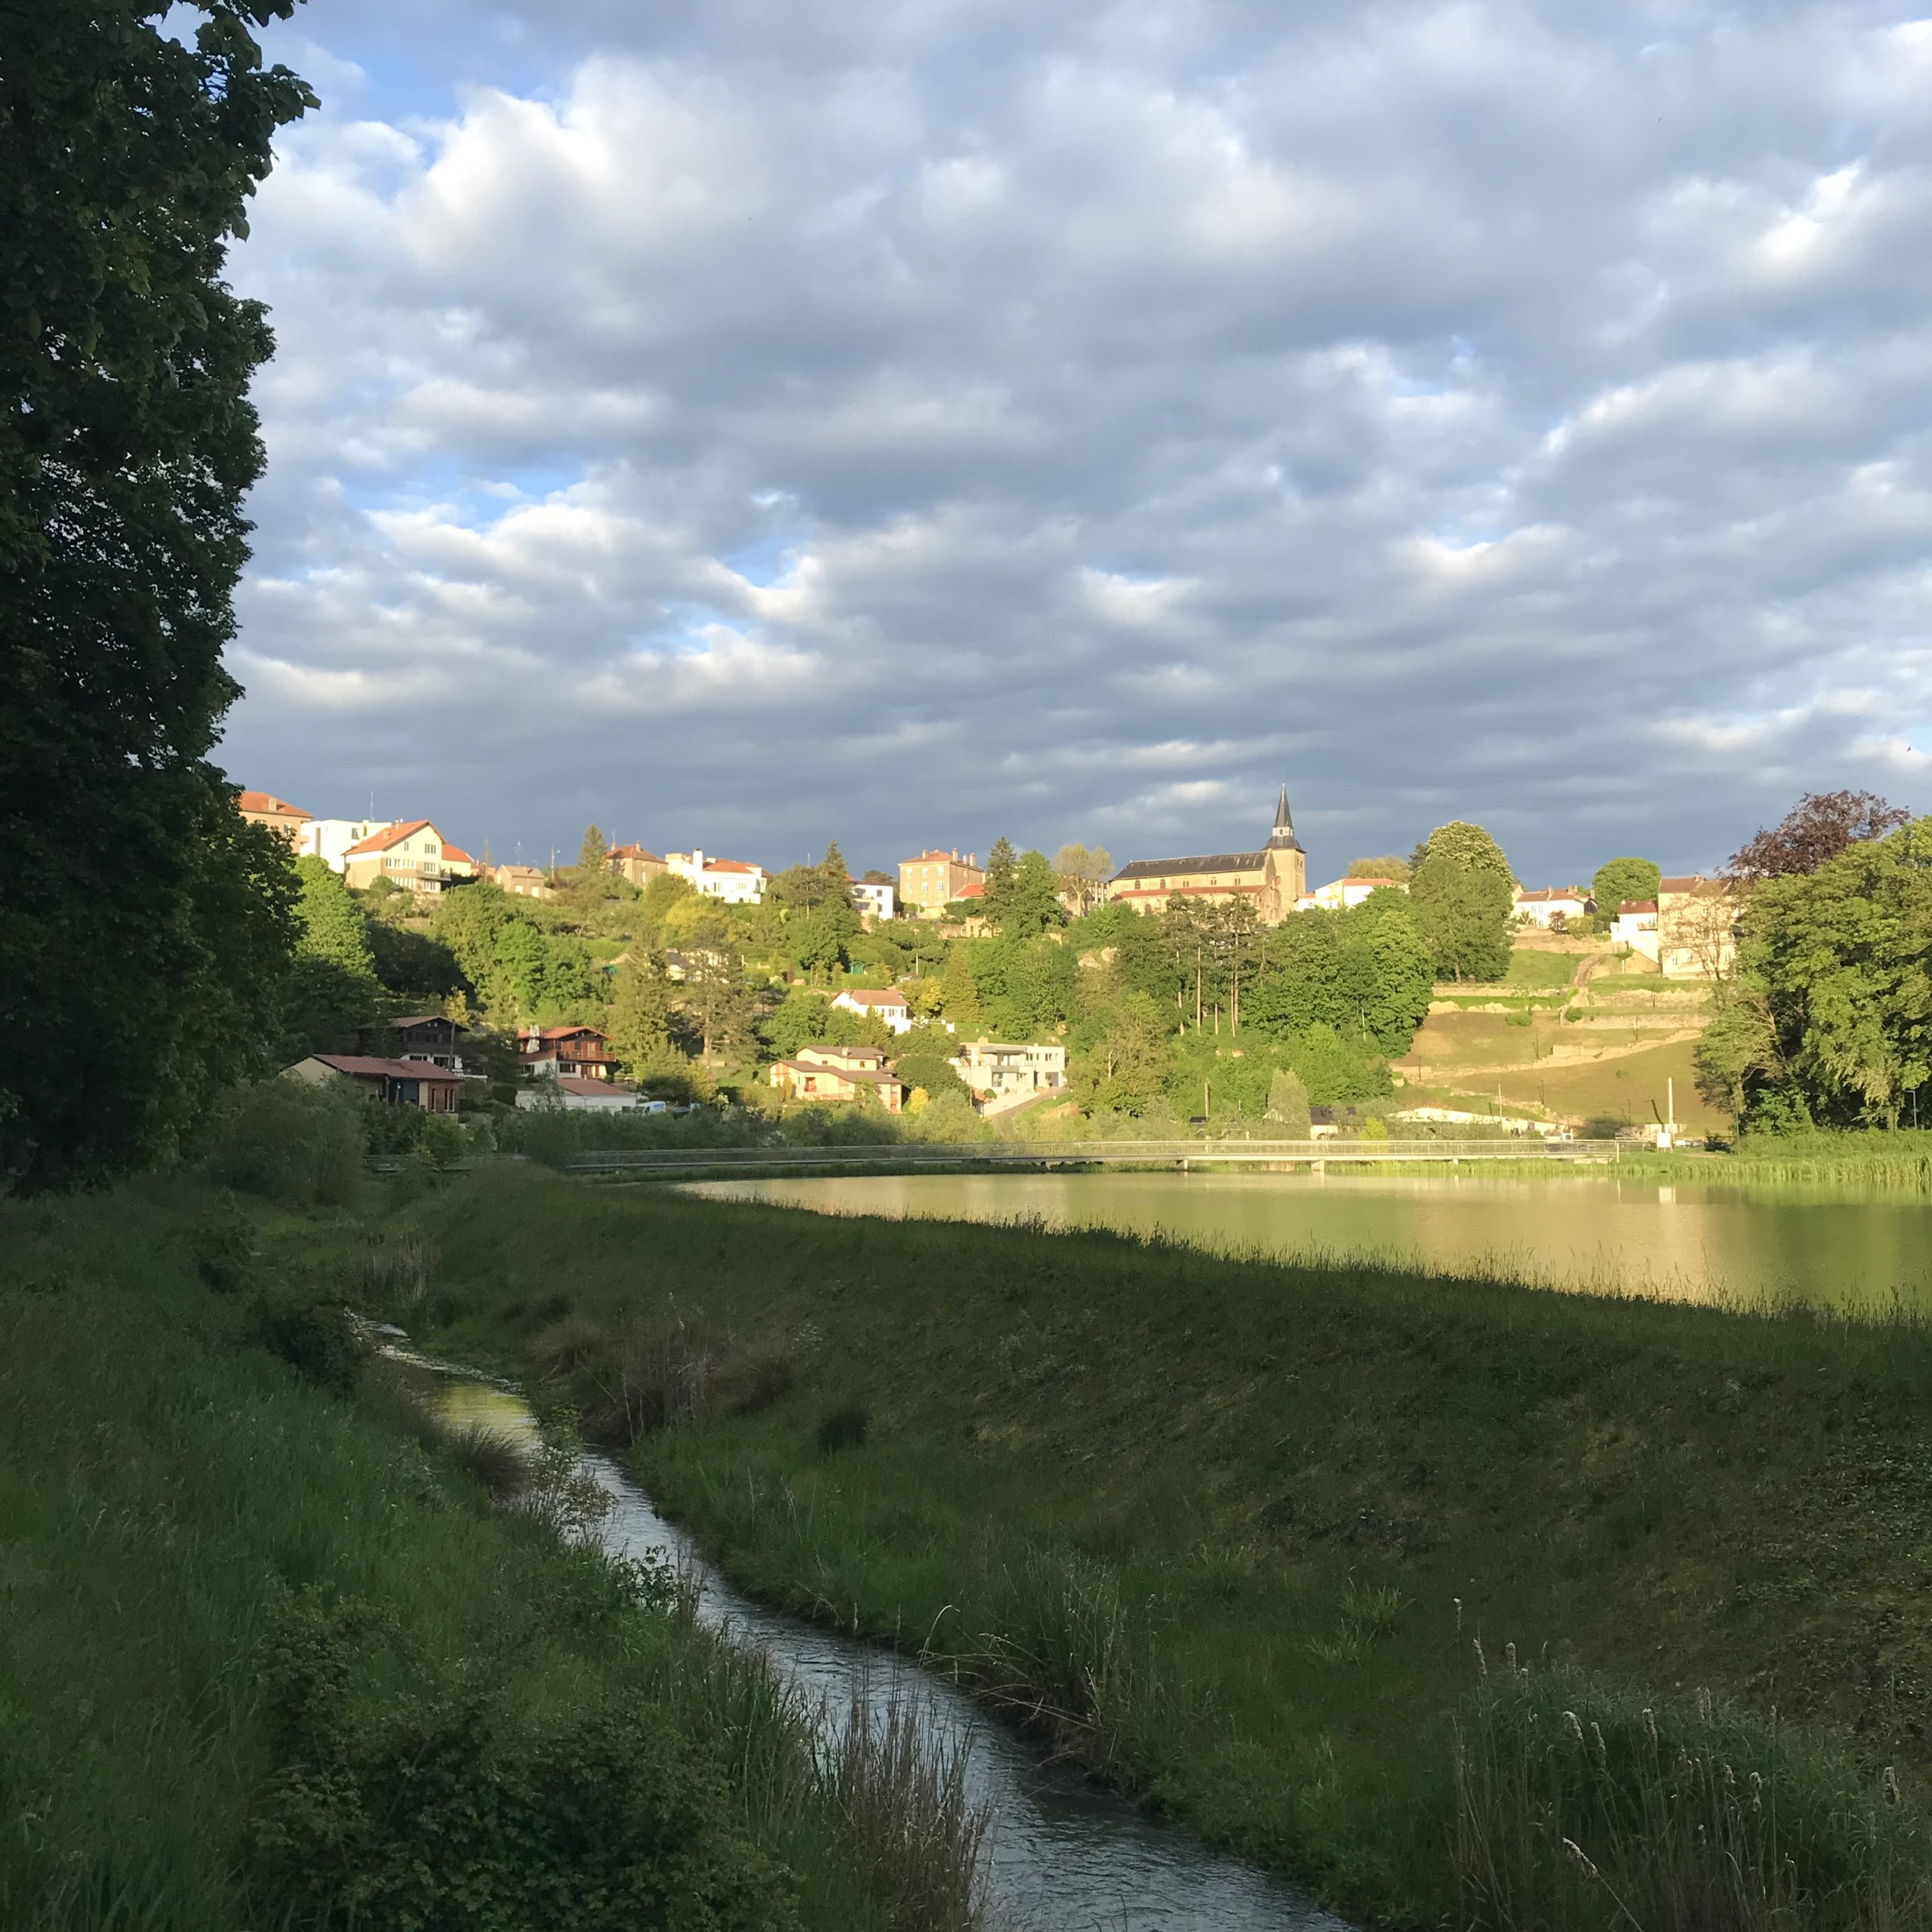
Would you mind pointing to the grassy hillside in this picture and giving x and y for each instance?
(1248, 1537)
(271, 1659)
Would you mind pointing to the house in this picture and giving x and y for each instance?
(413, 854)
(396, 1083)
(570, 1093)
(277, 814)
(1696, 927)
(840, 1073)
(1551, 906)
(1273, 880)
(329, 839)
(730, 880)
(1004, 1078)
(890, 1006)
(1340, 894)
(557, 1052)
(1635, 926)
(524, 881)
(634, 864)
(422, 1036)
(932, 882)
(872, 897)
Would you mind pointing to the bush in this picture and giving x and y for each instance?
(298, 1145)
(845, 1427)
(315, 1336)
(223, 1245)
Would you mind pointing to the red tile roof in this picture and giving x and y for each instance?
(555, 1032)
(575, 1083)
(1688, 882)
(727, 865)
(1636, 905)
(972, 892)
(1542, 893)
(381, 841)
(458, 855)
(634, 852)
(871, 996)
(266, 801)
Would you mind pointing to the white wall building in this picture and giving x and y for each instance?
(889, 1006)
(329, 839)
(1539, 905)
(1635, 926)
(730, 880)
(1340, 894)
(1003, 1077)
(878, 900)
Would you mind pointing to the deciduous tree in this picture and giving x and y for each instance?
(1619, 880)
(145, 930)
(1464, 895)
(1819, 827)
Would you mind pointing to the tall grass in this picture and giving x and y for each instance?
(1579, 1805)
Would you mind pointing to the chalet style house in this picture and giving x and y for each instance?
(396, 1083)
(556, 1053)
(1273, 880)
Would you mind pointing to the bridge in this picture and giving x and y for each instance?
(1184, 1155)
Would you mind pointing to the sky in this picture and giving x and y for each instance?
(906, 422)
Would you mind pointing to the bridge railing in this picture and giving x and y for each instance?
(1065, 1153)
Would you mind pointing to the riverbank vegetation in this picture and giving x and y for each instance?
(281, 1651)
(1246, 1536)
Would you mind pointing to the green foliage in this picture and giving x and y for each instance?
(1124, 1060)
(1287, 1104)
(146, 926)
(450, 1817)
(845, 1427)
(296, 1145)
(923, 1058)
(1829, 1016)
(310, 1330)
(1029, 903)
(1002, 863)
(1083, 874)
(822, 923)
(639, 1023)
(665, 892)
(1617, 880)
(1022, 988)
(1365, 973)
(413, 966)
(1464, 896)
(959, 993)
(1388, 866)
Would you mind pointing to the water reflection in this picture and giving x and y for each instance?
(1737, 1246)
(1061, 1856)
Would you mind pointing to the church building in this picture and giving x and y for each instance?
(1275, 879)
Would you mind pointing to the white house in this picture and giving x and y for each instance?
(330, 838)
(889, 1006)
(1635, 926)
(1004, 1077)
(1340, 894)
(1541, 905)
(729, 880)
(569, 1094)
(877, 899)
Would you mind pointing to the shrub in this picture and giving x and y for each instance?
(299, 1145)
(317, 1337)
(845, 1427)
(223, 1245)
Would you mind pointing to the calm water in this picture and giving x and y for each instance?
(1061, 1855)
(1588, 1231)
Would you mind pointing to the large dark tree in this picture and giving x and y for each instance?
(141, 924)
(1819, 827)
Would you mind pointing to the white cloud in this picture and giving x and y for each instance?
(919, 421)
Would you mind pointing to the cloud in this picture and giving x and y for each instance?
(901, 421)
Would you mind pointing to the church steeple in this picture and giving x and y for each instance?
(1282, 838)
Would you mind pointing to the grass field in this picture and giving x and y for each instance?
(1272, 1544)
(270, 1660)
(1627, 1088)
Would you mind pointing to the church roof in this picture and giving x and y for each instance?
(1211, 862)
(1282, 838)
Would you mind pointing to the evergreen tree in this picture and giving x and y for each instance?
(1001, 863)
(1287, 1104)
(639, 1023)
(959, 993)
(331, 923)
(147, 930)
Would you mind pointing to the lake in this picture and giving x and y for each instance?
(1750, 1245)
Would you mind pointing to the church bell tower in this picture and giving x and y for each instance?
(1284, 871)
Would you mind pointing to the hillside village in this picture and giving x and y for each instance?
(1218, 992)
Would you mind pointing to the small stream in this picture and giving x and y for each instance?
(1062, 1855)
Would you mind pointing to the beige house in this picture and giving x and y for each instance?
(524, 881)
(840, 1073)
(634, 863)
(414, 854)
(1696, 927)
(396, 1083)
(1273, 880)
(929, 883)
(1635, 926)
(277, 814)
(1339, 894)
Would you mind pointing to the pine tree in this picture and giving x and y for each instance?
(639, 1026)
(959, 997)
(1002, 862)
